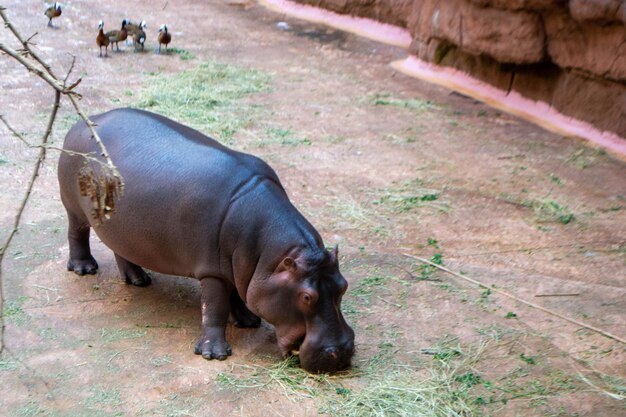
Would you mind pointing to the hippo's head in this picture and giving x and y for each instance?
(302, 299)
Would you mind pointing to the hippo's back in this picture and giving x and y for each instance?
(146, 142)
(178, 186)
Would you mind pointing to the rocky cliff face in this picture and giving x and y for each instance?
(568, 53)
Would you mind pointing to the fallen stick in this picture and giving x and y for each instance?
(573, 294)
(506, 294)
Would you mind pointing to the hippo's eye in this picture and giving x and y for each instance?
(308, 298)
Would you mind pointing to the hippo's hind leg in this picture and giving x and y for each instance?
(215, 308)
(132, 273)
(243, 317)
(81, 261)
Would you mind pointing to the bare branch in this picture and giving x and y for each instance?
(57, 85)
(69, 71)
(516, 298)
(25, 43)
(103, 190)
(86, 156)
(15, 132)
(20, 211)
(96, 137)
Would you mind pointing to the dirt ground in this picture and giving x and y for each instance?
(381, 164)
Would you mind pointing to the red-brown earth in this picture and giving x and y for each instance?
(380, 163)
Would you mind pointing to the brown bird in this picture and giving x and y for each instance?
(102, 40)
(132, 29)
(164, 37)
(52, 11)
(140, 35)
(116, 36)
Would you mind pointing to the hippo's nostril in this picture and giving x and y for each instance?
(332, 351)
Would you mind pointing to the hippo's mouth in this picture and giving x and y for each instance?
(291, 346)
(295, 346)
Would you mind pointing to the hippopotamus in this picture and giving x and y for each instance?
(193, 207)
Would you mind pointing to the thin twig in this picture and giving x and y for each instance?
(25, 43)
(15, 133)
(528, 303)
(572, 294)
(69, 71)
(613, 395)
(60, 87)
(57, 85)
(45, 288)
(20, 211)
(389, 302)
(96, 137)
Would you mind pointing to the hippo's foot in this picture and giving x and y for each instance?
(131, 273)
(138, 278)
(212, 345)
(243, 317)
(248, 322)
(82, 266)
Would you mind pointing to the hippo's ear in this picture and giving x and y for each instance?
(334, 255)
(288, 264)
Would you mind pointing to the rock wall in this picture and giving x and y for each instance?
(568, 53)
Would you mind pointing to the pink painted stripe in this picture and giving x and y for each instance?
(537, 112)
(368, 28)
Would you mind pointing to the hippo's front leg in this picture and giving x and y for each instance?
(215, 309)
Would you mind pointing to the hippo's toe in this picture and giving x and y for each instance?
(245, 319)
(213, 349)
(82, 266)
(138, 278)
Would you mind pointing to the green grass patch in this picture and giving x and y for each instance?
(157, 362)
(208, 98)
(109, 335)
(287, 376)
(426, 271)
(447, 386)
(531, 360)
(31, 409)
(404, 203)
(585, 157)
(551, 211)
(100, 398)
(68, 121)
(349, 213)
(410, 196)
(14, 311)
(7, 365)
(454, 379)
(386, 99)
(284, 137)
(380, 387)
(433, 242)
(556, 179)
(359, 296)
(183, 53)
(546, 210)
(364, 287)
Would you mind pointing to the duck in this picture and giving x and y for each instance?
(164, 37)
(140, 35)
(102, 40)
(131, 28)
(116, 36)
(52, 10)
